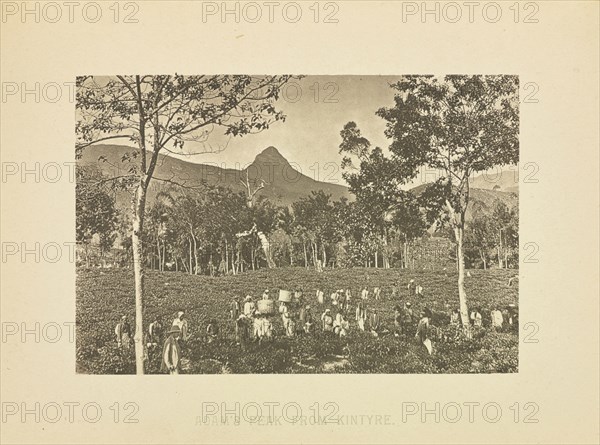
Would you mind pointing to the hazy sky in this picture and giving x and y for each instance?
(317, 107)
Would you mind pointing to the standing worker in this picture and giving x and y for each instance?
(172, 352)
(181, 322)
(123, 333)
(423, 330)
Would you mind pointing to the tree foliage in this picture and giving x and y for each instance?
(458, 125)
(95, 211)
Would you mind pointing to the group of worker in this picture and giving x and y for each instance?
(176, 337)
(253, 325)
(298, 319)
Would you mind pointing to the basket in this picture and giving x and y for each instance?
(266, 306)
(285, 295)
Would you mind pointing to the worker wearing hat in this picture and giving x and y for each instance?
(181, 322)
(123, 333)
(327, 320)
(423, 334)
(171, 357)
(411, 287)
(249, 306)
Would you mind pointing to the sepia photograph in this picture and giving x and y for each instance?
(315, 222)
(297, 224)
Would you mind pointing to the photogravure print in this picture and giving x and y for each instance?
(406, 263)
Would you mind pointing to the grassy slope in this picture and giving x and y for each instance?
(102, 296)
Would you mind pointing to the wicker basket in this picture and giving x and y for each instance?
(266, 306)
(285, 295)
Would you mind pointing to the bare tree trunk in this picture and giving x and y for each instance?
(499, 255)
(195, 255)
(462, 294)
(376, 259)
(226, 257)
(458, 225)
(138, 274)
(159, 253)
(232, 265)
(456, 253)
(184, 262)
(305, 254)
(190, 253)
(386, 260)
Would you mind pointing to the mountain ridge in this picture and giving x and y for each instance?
(283, 184)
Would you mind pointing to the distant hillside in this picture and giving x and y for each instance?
(504, 181)
(283, 183)
(487, 197)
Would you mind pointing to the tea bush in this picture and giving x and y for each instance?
(104, 295)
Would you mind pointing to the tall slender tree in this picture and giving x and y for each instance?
(458, 125)
(161, 114)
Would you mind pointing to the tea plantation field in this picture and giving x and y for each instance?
(104, 295)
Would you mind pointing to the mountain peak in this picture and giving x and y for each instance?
(270, 155)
